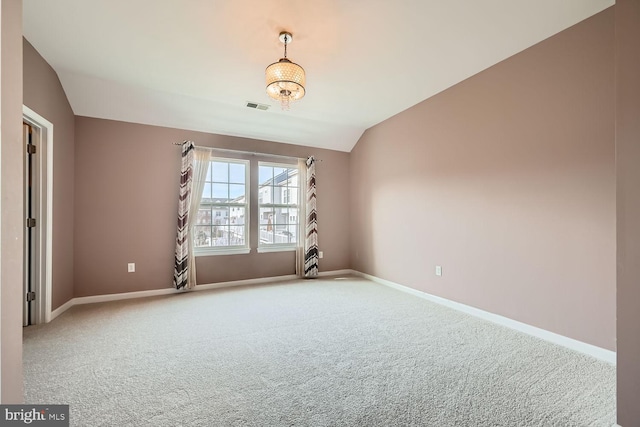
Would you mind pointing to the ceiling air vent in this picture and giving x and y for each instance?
(258, 106)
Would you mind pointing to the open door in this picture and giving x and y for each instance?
(30, 236)
(38, 214)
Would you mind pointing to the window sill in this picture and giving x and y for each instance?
(266, 249)
(209, 252)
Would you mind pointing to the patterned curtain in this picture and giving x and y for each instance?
(195, 163)
(302, 213)
(311, 232)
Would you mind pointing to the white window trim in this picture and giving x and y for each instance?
(276, 248)
(233, 250)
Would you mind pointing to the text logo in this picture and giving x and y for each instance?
(34, 415)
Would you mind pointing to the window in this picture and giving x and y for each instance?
(278, 195)
(222, 225)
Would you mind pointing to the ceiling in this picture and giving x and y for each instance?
(193, 64)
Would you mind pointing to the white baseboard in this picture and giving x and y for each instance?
(246, 282)
(125, 295)
(579, 346)
(168, 291)
(64, 307)
(335, 273)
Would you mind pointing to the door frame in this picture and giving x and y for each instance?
(43, 171)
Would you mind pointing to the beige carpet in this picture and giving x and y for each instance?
(306, 353)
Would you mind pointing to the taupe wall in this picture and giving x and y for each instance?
(43, 93)
(11, 196)
(507, 181)
(126, 187)
(628, 174)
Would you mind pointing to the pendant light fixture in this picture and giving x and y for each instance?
(285, 79)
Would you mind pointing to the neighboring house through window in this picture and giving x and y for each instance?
(278, 195)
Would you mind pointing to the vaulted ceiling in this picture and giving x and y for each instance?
(194, 64)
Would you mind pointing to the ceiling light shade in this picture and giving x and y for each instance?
(285, 79)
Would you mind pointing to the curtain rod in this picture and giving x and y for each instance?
(253, 153)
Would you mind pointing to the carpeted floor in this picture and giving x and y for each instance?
(323, 352)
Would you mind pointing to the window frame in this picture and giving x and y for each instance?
(279, 247)
(231, 249)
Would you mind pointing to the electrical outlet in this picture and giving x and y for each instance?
(131, 267)
(320, 254)
(438, 270)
